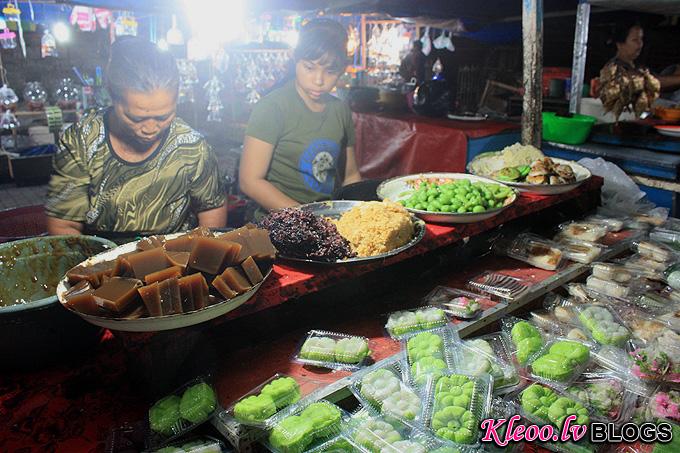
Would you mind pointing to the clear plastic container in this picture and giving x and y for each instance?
(462, 399)
(456, 302)
(547, 320)
(665, 404)
(667, 237)
(655, 251)
(536, 251)
(607, 288)
(374, 433)
(606, 395)
(672, 224)
(381, 387)
(524, 339)
(405, 322)
(182, 411)
(543, 405)
(427, 354)
(613, 272)
(611, 223)
(658, 361)
(651, 220)
(487, 355)
(205, 444)
(559, 362)
(502, 286)
(583, 231)
(339, 444)
(647, 267)
(580, 251)
(305, 425)
(604, 326)
(259, 406)
(336, 351)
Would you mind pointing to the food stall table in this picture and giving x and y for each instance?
(390, 145)
(72, 406)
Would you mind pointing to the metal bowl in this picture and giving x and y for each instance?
(37, 331)
(400, 188)
(158, 323)
(335, 209)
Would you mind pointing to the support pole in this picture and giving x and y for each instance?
(532, 33)
(578, 65)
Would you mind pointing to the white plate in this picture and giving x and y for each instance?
(668, 132)
(160, 322)
(396, 189)
(582, 174)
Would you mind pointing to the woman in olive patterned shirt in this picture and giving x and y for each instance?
(135, 169)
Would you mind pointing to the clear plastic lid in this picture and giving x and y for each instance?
(606, 395)
(381, 387)
(583, 231)
(524, 339)
(338, 444)
(542, 405)
(182, 411)
(305, 425)
(427, 354)
(580, 251)
(665, 404)
(500, 285)
(487, 355)
(337, 351)
(656, 251)
(456, 302)
(456, 404)
(559, 362)
(660, 360)
(404, 322)
(613, 272)
(608, 288)
(536, 251)
(259, 406)
(374, 433)
(603, 325)
(205, 444)
(611, 223)
(668, 237)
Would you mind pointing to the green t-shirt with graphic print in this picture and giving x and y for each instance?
(112, 197)
(309, 147)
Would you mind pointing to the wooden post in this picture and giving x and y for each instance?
(363, 42)
(532, 34)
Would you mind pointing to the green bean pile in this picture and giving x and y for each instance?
(457, 196)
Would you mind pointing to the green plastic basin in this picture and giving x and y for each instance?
(570, 130)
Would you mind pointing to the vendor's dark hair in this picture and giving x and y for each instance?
(139, 65)
(621, 29)
(323, 38)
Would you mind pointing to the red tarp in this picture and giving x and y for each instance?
(394, 145)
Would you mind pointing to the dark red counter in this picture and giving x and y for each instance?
(390, 145)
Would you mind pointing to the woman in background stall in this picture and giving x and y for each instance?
(299, 144)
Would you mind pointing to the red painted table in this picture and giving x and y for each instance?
(393, 145)
(72, 407)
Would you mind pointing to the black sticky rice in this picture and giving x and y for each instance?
(301, 234)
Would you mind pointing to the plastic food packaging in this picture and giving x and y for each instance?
(181, 411)
(404, 322)
(306, 425)
(259, 406)
(499, 285)
(606, 395)
(536, 251)
(660, 360)
(372, 432)
(543, 405)
(603, 325)
(643, 327)
(655, 251)
(456, 302)
(524, 339)
(584, 231)
(547, 320)
(332, 350)
(580, 251)
(339, 444)
(456, 404)
(665, 404)
(559, 362)
(668, 237)
(606, 287)
(613, 272)
(611, 223)
(204, 444)
(381, 387)
(427, 354)
(487, 355)
(646, 266)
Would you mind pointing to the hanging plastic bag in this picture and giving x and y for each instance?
(9, 121)
(48, 45)
(8, 98)
(449, 43)
(440, 41)
(8, 39)
(620, 194)
(425, 41)
(35, 96)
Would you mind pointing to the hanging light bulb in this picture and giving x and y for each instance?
(174, 35)
(162, 44)
(62, 32)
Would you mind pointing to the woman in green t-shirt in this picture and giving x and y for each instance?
(299, 144)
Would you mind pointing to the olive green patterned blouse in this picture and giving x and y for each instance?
(161, 194)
